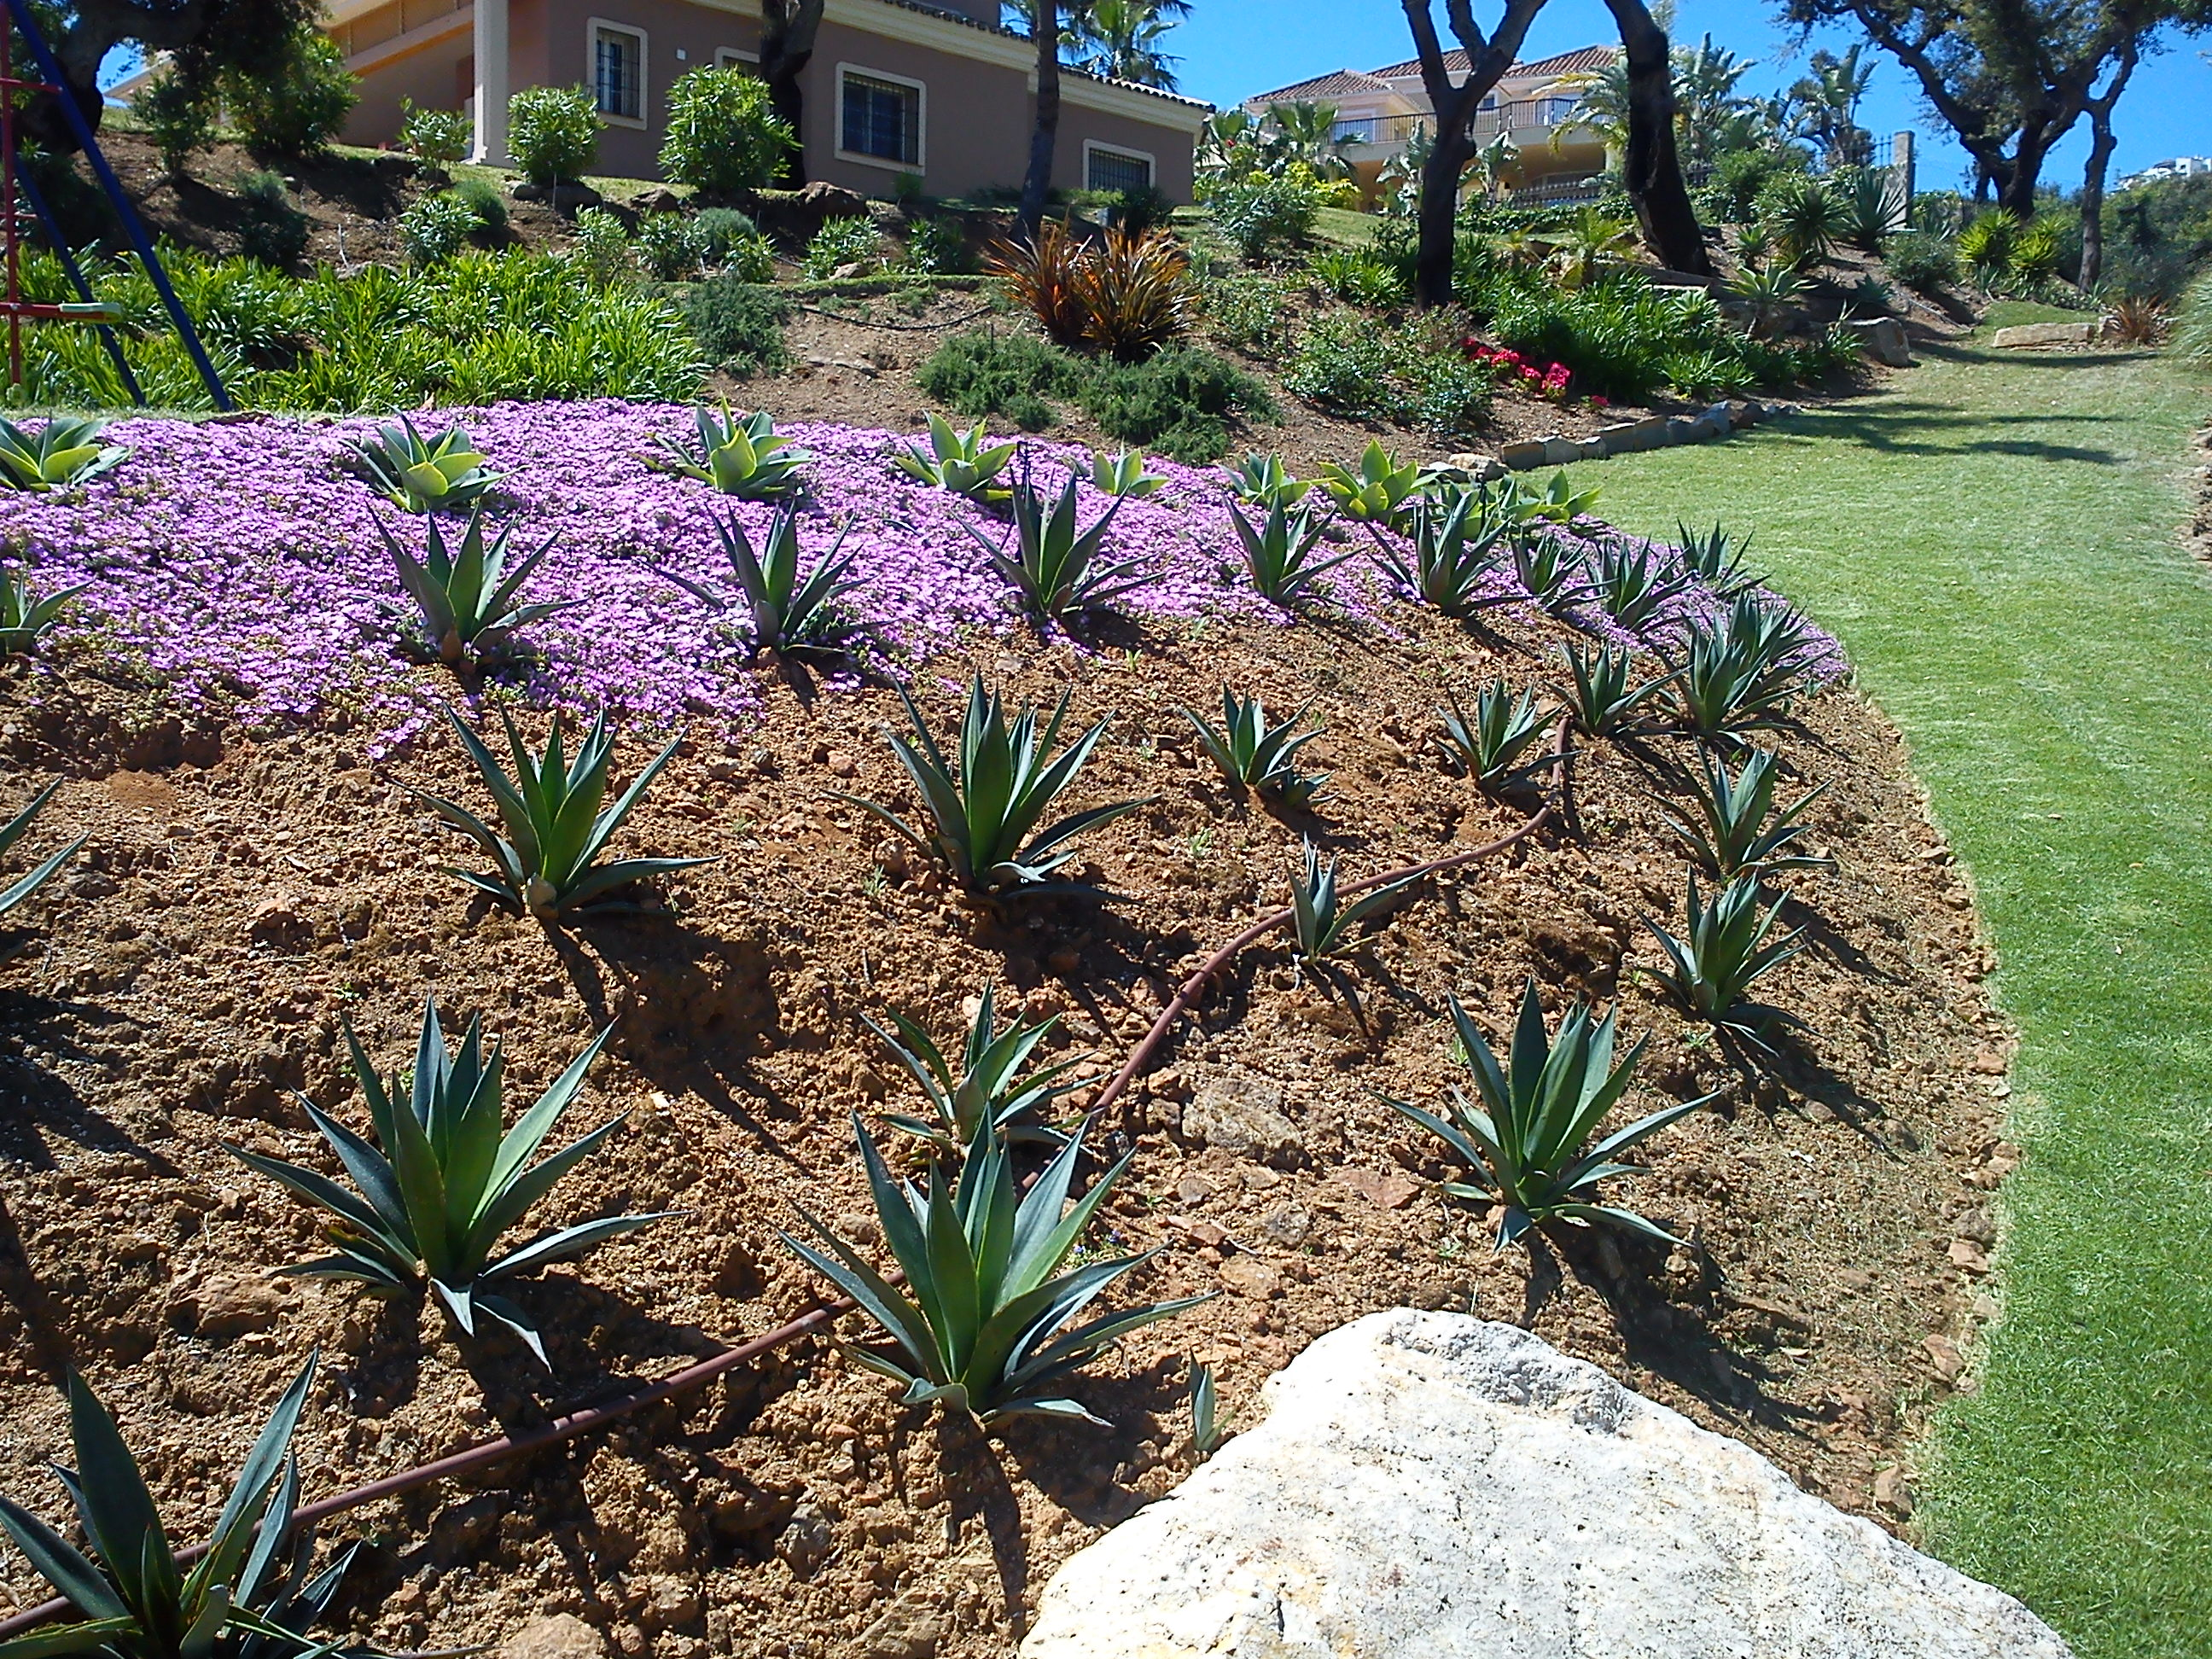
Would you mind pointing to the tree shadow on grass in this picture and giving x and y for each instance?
(1914, 427)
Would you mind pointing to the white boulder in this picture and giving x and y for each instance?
(1433, 1485)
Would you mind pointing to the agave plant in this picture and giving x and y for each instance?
(1378, 489)
(1250, 751)
(1263, 481)
(1770, 292)
(962, 462)
(1278, 554)
(445, 1179)
(1493, 747)
(1602, 692)
(1874, 207)
(548, 860)
(1715, 558)
(1320, 925)
(1722, 949)
(1558, 502)
(1737, 831)
(984, 804)
(1456, 546)
(420, 475)
(466, 595)
(13, 896)
(1807, 221)
(1122, 473)
(991, 1088)
(1550, 572)
(787, 614)
(1735, 679)
(26, 614)
(1061, 568)
(1631, 584)
(979, 1325)
(1527, 1143)
(740, 455)
(63, 451)
(250, 1596)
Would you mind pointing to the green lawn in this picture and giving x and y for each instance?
(1996, 541)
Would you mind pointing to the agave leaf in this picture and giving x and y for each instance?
(61, 1565)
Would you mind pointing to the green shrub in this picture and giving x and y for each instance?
(843, 242)
(2191, 339)
(298, 108)
(482, 199)
(1263, 213)
(936, 247)
(1924, 262)
(723, 134)
(271, 230)
(979, 374)
(1249, 312)
(1739, 179)
(1343, 364)
(436, 229)
(729, 240)
(553, 133)
(437, 137)
(1984, 241)
(600, 246)
(1359, 276)
(178, 118)
(2036, 248)
(1447, 395)
(1177, 402)
(1136, 211)
(738, 325)
(670, 246)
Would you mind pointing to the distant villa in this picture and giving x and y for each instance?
(2181, 167)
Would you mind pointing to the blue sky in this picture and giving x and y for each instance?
(1233, 48)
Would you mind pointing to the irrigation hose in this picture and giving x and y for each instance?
(486, 1453)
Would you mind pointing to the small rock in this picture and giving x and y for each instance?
(1894, 1492)
(277, 923)
(1944, 1353)
(2034, 335)
(1249, 1276)
(1205, 1234)
(1193, 1190)
(1389, 1189)
(841, 764)
(1289, 1224)
(230, 1306)
(1882, 339)
(1520, 457)
(1243, 1116)
(804, 1541)
(1968, 1254)
(1977, 1225)
(555, 1636)
(909, 1629)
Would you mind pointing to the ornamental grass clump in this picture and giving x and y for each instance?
(27, 614)
(1631, 583)
(1280, 554)
(1721, 952)
(1059, 568)
(446, 1177)
(62, 452)
(961, 462)
(740, 455)
(547, 863)
(980, 1322)
(1602, 692)
(13, 896)
(991, 1088)
(1457, 543)
(1250, 751)
(786, 612)
(466, 596)
(1263, 481)
(1321, 923)
(1493, 747)
(984, 804)
(1527, 1138)
(250, 1596)
(1377, 489)
(1737, 831)
(419, 475)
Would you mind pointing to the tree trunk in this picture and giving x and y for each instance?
(786, 45)
(1037, 186)
(2101, 143)
(1653, 169)
(2016, 185)
(1438, 220)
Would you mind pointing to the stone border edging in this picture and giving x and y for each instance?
(1621, 438)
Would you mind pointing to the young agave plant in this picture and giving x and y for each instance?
(961, 462)
(1059, 569)
(1551, 574)
(25, 614)
(446, 1177)
(12, 895)
(1250, 751)
(1378, 489)
(467, 595)
(423, 477)
(1262, 481)
(250, 1596)
(1527, 1139)
(740, 455)
(1493, 747)
(1122, 473)
(62, 452)
(1722, 949)
(1732, 835)
(1739, 676)
(991, 1088)
(1557, 502)
(1321, 926)
(1715, 559)
(980, 1324)
(1279, 555)
(548, 860)
(985, 803)
(1630, 584)
(787, 613)
(1602, 693)
(1456, 546)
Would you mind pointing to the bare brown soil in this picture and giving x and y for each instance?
(238, 899)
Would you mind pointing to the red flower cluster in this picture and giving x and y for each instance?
(1550, 380)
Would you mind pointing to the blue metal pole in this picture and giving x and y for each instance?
(76, 278)
(132, 227)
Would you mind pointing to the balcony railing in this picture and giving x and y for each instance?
(1518, 116)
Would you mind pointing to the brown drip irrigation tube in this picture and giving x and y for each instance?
(486, 1453)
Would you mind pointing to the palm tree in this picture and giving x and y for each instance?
(1120, 40)
(1491, 165)
(1707, 101)
(1825, 106)
(1308, 135)
(1601, 104)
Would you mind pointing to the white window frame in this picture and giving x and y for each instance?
(920, 162)
(595, 26)
(729, 57)
(1151, 162)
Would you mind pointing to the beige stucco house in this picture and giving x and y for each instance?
(1377, 110)
(894, 87)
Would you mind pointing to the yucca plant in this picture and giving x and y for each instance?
(1631, 584)
(1263, 481)
(1875, 207)
(1984, 241)
(1378, 489)
(1602, 692)
(466, 596)
(1715, 558)
(62, 452)
(1549, 571)
(1320, 925)
(1278, 554)
(786, 613)
(27, 614)
(1061, 568)
(548, 860)
(992, 1086)
(1493, 747)
(1723, 949)
(424, 476)
(985, 803)
(1122, 473)
(1737, 829)
(1458, 541)
(250, 1596)
(16, 892)
(1250, 751)
(980, 1323)
(445, 1178)
(1805, 221)
(962, 462)
(1526, 1139)
(740, 455)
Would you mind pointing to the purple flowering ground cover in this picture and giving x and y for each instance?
(239, 566)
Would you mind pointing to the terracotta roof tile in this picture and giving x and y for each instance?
(1582, 60)
(1334, 84)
